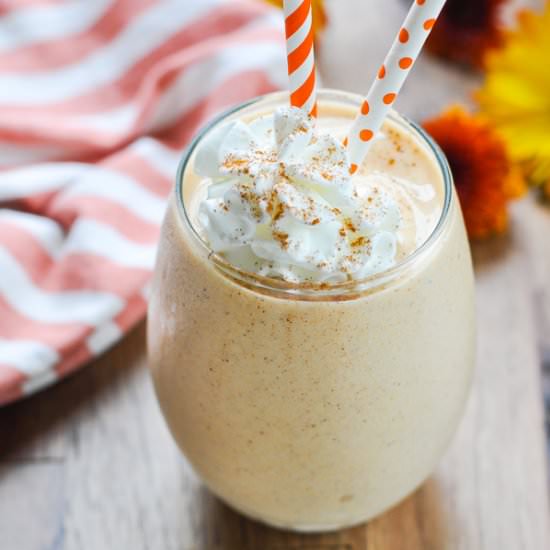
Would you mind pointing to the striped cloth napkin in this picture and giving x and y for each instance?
(97, 100)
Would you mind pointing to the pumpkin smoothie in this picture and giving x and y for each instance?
(311, 334)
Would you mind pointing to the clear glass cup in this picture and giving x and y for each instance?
(306, 407)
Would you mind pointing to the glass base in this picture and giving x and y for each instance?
(301, 527)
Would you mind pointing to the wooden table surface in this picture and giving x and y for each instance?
(89, 464)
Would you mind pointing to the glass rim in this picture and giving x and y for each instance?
(261, 283)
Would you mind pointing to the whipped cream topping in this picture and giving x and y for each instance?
(281, 203)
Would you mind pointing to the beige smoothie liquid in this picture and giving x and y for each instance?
(313, 399)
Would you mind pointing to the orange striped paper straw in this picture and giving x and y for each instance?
(391, 76)
(300, 54)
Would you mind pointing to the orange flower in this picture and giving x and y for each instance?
(318, 13)
(485, 178)
(466, 29)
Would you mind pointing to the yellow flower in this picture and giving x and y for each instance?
(318, 13)
(484, 176)
(515, 96)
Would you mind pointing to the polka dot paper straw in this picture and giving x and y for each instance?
(391, 76)
(300, 54)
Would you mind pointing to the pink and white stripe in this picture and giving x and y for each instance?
(97, 100)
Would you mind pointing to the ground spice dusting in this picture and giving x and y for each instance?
(282, 238)
(251, 198)
(360, 241)
(274, 208)
(278, 211)
(348, 224)
(231, 162)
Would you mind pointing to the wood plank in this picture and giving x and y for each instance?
(31, 505)
(534, 230)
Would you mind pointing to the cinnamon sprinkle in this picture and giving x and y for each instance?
(282, 238)
(348, 224)
(360, 241)
(279, 211)
(231, 162)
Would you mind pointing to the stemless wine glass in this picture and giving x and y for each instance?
(305, 406)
